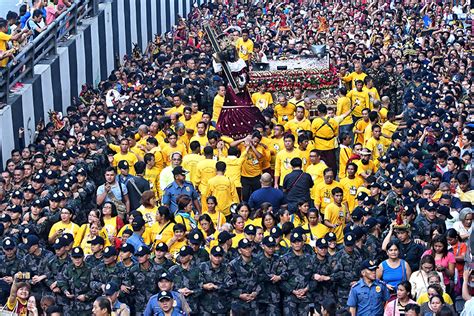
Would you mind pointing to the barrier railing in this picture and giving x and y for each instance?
(21, 66)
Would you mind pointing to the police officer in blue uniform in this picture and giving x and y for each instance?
(178, 187)
(368, 295)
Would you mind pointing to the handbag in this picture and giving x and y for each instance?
(5, 312)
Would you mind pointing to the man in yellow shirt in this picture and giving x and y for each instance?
(304, 150)
(297, 99)
(350, 184)
(371, 91)
(359, 99)
(284, 111)
(276, 143)
(126, 155)
(172, 147)
(152, 173)
(234, 166)
(345, 153)
(283, 159)
(200, 137)
(357, 74)
(188, 121)
(335, 214)
(343, 105)
(191, 160)
(223, 189)
(321, 193)
(360, 126)
(374, 143)
(365, 166)
(205, 170)
(325, 131)
(218, 103)
(262, 99)
(244, 46)
(299, 123)
(316, 166)
(5, 38)
(178, 106)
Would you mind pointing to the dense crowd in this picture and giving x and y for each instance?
(132, 202)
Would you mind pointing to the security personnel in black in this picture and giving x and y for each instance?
(160, 259)
(109, 271)
(36, 219)
(186, 278)
(85, 193)
(269, 278)
(143, 278)
(276, 233)
(54, 268)
(36, 261)
(373, 244)
(10, 262)
(74, 283)
(196, 241)
(97, 247)
(225, 241)
(213, 274)
(242, 281)
(324, 286)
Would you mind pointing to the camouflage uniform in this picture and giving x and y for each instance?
(145, 283)
(242, 278)
(200, 256)
(213, 302)
(10, 266)
(87, 201)
(324, 289)
(297, 274)
(380, 78)
(269, 299)
(104, 274)
(76, 281)
(92, 261)
(37, 265)
(190, 279)
(345, 271)
(166, 264)
(374, 247)
(53, 271)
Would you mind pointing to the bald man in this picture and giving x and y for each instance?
(267, 193)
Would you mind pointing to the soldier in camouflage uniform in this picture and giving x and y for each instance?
(373, 243)
(143, 276)
(160, 259)
(345, 269)
(196, 241)
(213, 274)
(297, 282)
(54, 268)
(323, 277)
(109, 271)
(10, 262)
(270, 266)
(75, 284)
(35, 262)
(97, 248)
(225, 241)
(242, 281)
(379, 75)
(84, 192)
(186, 278)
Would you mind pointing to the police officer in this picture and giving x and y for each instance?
(75, 284)
(177, 187)
(368, 295)
(143, 278)
(167, 304)
(242, 281)
(112, 292)
(345, 266)
(54, 268)
(187, 279)
(270, 267)
(11, 263)
(97, 248)
(196, 241)
(213, 274)
(324, 285)
(224, 240)
(160, 258)
(165, 283)
(297, 278)
(35, 262)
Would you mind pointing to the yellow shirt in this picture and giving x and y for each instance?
(205, 170)
(425, 298)
(344, 154)
(4, 38)
(153, 176)
(284, 114)
(190, 162)
(322, 194)
(376, 147)
(262, 101)
(275, 145)
(201, 139)
(189, 124)
(129, 157)
(71, 228)
(360, 100)
(295, 102)
(159, 163)
(336, 215)
(361, 168)
(168, 150)
(251, 165)
(161, 233)
(245, 49)
(316, 232)
(304, 155)
(353, 77)
(297, 221)
(316, 171)
(174, 249)
(294, 126)
(225, 192)
(175, 110)
(383, 115)
(149, 214)
(217, 218)
(344, 105)
(234, 168)
(373, 95)
(110, 226)
(360, 125)
(324, 131)
(282, 163)
(350, 187)
(388, 128)
(217, 107)
(83, 236)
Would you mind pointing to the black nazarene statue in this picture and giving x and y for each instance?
(238, 115)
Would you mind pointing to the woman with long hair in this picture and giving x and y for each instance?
(206, 225)
(300, 217)
(162, 229)
(185, 214)
(393, 270)
(112, 222)
(268, 222)
(238, 224)
(243, 209)
(419, 279)
(398, 305)
(65, 225)
(148, 208)
(316, 229)
(218, 219)
(445, 260)
(84, 233)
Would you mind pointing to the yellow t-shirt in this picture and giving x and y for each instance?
(245, 49)
(262, 101)
(149, 214)
(161, 233)
(360, 100)
(282, 163)
(217, 218)
(317, 232)
(283, 114)
(353, 77)
(344, 105)
(153, 176)
(336, 215)
(361, 168)
(190, 162)
(425, 298)
(373, 95)
(295, 102)
(360, 125)
(201, 139)
(174, 109)
(376, 147)
(316, 171)
(225, 192)
(129, 157)
(234, 168)
(344, 154)
(217, 107)
(167, 150)
(388, 128)
(350, 187)
(205, 170)
(322, 194)
(4, 38)
(294, 126)
(251, 165)
(324, 131)
(71, 228)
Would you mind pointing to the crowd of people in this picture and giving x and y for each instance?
(132, 202)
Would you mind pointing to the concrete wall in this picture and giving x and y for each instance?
(87, 57)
